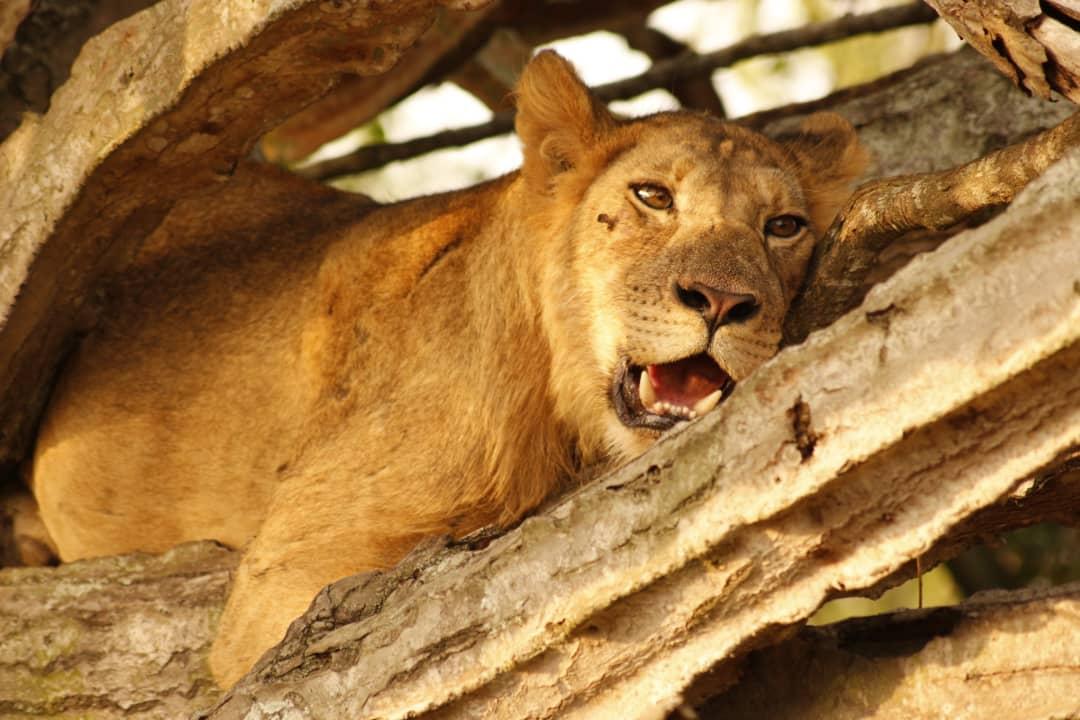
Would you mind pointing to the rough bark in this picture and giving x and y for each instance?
(121, 637)
(1036, 44)
(828, 471)
(358, 99)
(38, 57)
(158, 108)
(999, 655)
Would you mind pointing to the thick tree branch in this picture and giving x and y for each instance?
(999, 655)
(39, 58)
(885, 210)
(663, 74)
(454, 37)
(120, 637)
(446, 48)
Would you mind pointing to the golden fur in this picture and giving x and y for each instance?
(434, 367)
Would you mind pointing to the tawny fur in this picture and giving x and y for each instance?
(433, 367)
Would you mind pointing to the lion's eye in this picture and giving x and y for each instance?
(657, 197)
(784, 226)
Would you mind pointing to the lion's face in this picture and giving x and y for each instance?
(683, 240)
(689, 247)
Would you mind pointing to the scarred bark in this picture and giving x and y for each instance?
(114, 637)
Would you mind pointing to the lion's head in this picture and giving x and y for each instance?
(674, 244)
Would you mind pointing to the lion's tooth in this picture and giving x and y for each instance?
(645, 390)
(708, 402)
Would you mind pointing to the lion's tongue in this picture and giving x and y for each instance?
(695, 383)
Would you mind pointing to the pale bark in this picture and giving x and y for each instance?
(121, 637)
(930, 403)
(37, 59)
(999, 655)
(882, 211)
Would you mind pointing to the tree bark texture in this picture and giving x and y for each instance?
(1036, 44)
(999, 655)
(360, 98)
(449, 43)
(120, 637)
(828, 472)
(834, 466)
(39, 49)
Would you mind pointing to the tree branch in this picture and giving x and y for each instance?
(885, 210)
(49, 37)
(1005, 653)
(118, 637)
(448, 46)
(666, 73)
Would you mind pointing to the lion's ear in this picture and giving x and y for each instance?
(830, 158)
(558, 118)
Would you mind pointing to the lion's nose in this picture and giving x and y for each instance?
(718, 307)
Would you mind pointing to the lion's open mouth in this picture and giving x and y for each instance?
(658, 396)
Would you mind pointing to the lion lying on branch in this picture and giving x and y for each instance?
(438, 365)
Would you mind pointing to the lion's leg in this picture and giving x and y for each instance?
(266, 596)
(310, 539)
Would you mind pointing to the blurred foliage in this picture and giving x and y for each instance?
(1037, 556)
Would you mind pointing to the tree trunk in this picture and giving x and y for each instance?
(941, 410)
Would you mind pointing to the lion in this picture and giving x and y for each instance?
(438, 365)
